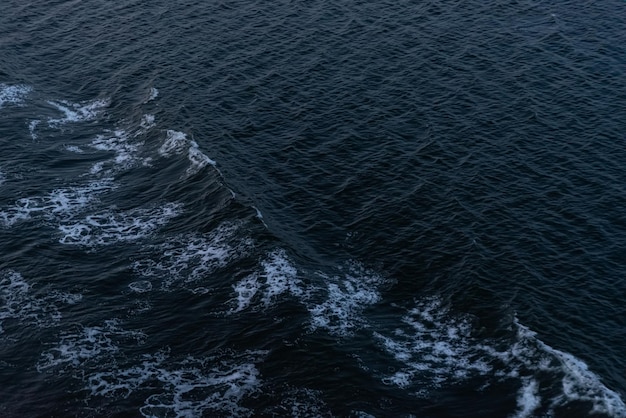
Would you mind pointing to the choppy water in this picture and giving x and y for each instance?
(321, 208)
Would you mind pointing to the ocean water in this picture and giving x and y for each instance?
(312, 209)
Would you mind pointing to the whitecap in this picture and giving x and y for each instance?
(437, 348)
(578, 383)
(177, 143)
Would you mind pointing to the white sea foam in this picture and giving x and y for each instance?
(77, 112)
(153, 94)
(147, 122)
(437, 348)
(14, 94)
(60, 204)
(74, 148)
(335, 304)
(140, 286)
(197, 158)
(177, 143)
(18, 303)
(344, 299)
(189, 259)
(112, 227)
(188, 388)
(84, 344)
(578, 383)
(119, 143)
(32, 125)
(527, 399)
(278, 277)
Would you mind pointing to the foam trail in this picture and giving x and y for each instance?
(527, 399)
(59, 204)
(346, 298)
(32, 125)
(13, 94)
(86, 344)
(125, 152)
(435, 348)
(189, 259)
(336, 305)
(77, 112)
(18, 303)
(278, 277)
(188, 388)
(113, 227)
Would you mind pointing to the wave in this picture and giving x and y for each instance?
(431, 347)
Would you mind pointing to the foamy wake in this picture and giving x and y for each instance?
(19, 303)
(187, 260)
(436, 348)
(60, 204)
(112, 227)
(14, 94)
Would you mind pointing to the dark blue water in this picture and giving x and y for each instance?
(321, 208)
